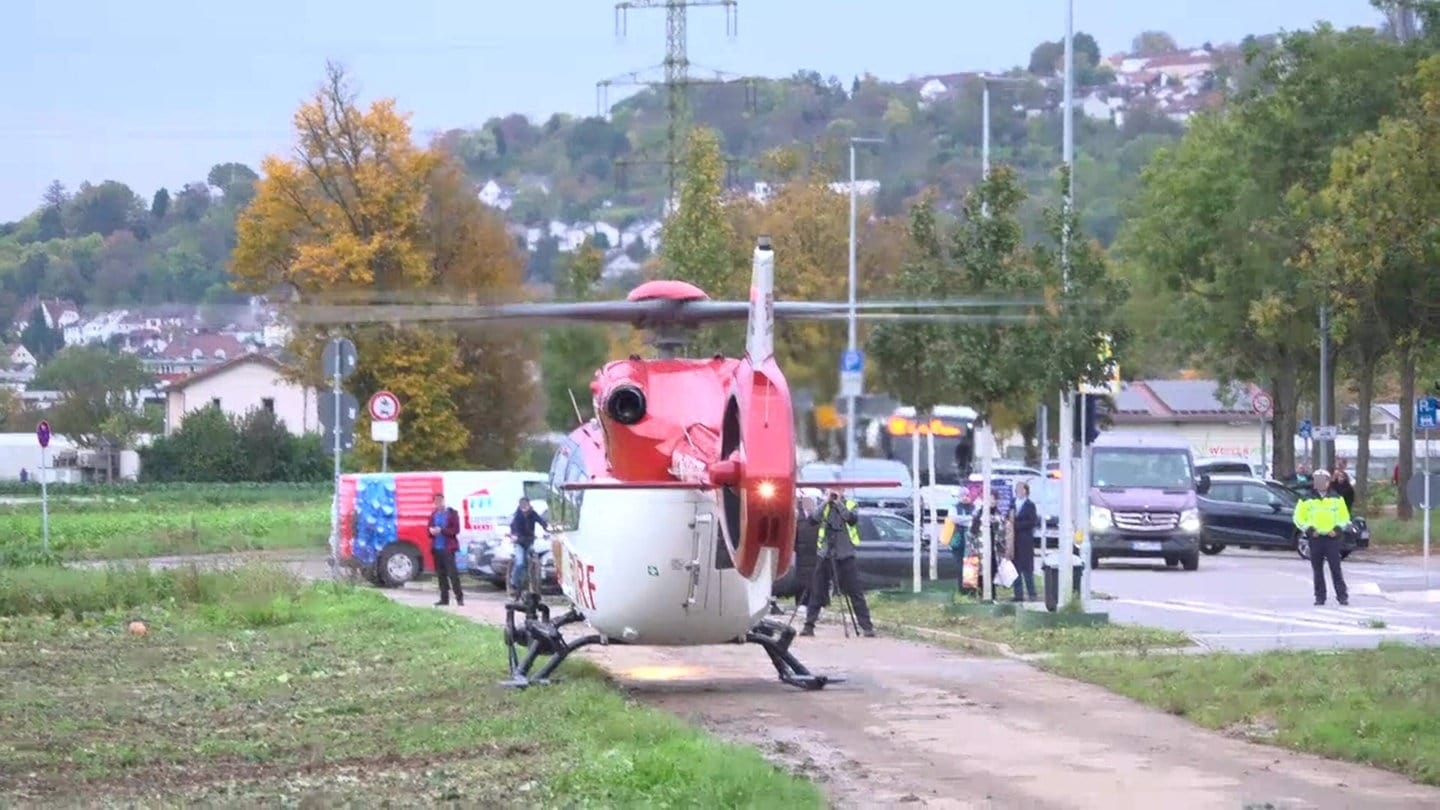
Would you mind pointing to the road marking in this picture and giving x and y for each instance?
(1272, 617)
(1424, 597)
(1340, 616)
(1218, 636)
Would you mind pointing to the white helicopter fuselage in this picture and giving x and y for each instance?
(651, 567)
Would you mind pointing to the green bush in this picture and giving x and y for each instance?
(211, 446)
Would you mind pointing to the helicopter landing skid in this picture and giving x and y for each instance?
(776, 638)
(539, 636)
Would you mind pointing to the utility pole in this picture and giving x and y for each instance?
(1076, 491)
(675, 77)
(851, 452)
(1327, 445)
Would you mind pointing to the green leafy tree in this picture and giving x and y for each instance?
(1153, 43)
(1221, 217)
(100, 395)
(1375, 250)
(697, 240)
(573, 353)
(914, 359)
(160, 204)
(39, 338)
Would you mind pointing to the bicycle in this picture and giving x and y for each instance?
(534, 570)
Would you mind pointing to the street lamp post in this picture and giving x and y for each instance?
(985, 81)
(851, 451)
(1077, 489)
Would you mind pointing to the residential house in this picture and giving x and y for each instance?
(619, 267)
(188, 354)
(239, 385)
(1196, 411)
(58, 314)
(1385, 420)
(494, 196)
(16, 357)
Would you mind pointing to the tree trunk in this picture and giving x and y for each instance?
(1365, 383)
(1285, 396)
(1028, 432)
(1403, 508)
(1327, 450)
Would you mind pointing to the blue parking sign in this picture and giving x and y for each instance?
(1426, 416)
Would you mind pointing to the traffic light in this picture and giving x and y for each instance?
(1092, 413)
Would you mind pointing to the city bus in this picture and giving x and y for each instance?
(954, 444)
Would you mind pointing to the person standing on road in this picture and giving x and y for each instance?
(1340, 482)
(1022, 550)
(838, 536)
(522, 529)
(1323, 517)
(445, 542)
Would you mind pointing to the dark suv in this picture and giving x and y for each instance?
(1243, 511)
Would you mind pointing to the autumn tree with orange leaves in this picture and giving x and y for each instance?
(360, 207)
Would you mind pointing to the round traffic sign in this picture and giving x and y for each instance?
(384, 407)
(42, 432)
(1261, 403)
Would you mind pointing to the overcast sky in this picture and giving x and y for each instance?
(153, 93)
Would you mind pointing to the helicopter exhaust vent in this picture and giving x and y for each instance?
(626, 404)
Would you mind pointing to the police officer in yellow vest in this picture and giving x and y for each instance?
(1322, 516)
(839, 535)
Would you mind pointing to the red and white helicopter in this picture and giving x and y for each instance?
(674, 507)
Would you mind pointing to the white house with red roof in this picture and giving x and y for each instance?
(58, 312)
(238, 385)
(189, 354)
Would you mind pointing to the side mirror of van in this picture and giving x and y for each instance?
(1202, 485)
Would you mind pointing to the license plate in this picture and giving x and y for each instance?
(1145, 546)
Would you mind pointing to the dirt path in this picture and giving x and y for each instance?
(916, 726)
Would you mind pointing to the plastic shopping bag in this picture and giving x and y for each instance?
(1007, 574)
(970, 574)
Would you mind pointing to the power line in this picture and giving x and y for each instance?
(676, 77)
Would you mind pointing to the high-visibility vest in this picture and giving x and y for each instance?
(825, 514)
(1323, 513)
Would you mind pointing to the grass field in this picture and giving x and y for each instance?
(1377, 707)
(1391, 533)
(251, 688)
(1003, 629)
(137, 520)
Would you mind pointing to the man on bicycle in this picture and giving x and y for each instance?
(522, 530)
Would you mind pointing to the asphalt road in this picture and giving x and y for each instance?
(1259, 600)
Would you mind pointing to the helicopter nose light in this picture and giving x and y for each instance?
(626, 405)
(766, 490)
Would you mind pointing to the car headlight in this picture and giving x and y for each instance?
(1190, 520)
(1100, 518)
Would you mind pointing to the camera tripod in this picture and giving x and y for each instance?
(848, 620)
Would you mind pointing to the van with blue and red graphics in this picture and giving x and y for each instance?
(384, 516)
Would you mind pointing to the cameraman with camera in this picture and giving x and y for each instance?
(838, 537)
(1323, 517)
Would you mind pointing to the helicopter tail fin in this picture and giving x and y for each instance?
(760, 336)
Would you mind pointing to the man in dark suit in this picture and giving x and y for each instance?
(1022, 554)
(445, 542)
